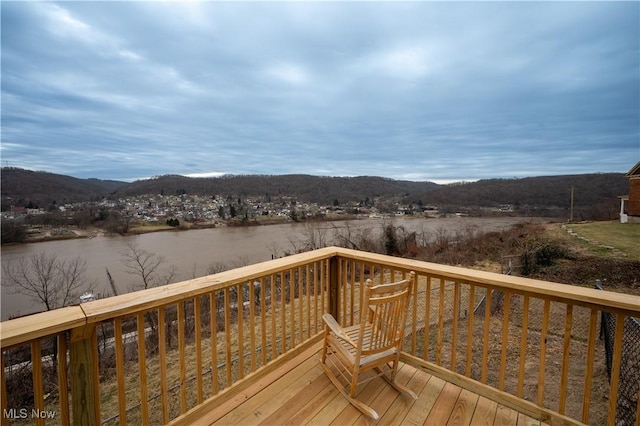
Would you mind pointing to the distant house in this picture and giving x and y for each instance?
(630, 204)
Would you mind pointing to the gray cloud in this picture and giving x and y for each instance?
(426, 91)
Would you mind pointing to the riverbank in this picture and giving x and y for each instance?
(40, 233)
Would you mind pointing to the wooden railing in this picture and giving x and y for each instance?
(531, 345)
(528, 344)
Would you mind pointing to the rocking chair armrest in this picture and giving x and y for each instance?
(331, 322)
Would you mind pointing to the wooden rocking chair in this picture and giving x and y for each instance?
(374, 344)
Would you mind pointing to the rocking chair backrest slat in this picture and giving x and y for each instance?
(384, 314)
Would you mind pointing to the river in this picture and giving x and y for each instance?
(192, 253)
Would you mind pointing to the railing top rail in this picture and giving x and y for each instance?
(30, 327)
(630, 304)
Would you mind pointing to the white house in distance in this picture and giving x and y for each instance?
(630, 204)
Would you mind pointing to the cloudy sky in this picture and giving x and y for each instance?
(412, 90)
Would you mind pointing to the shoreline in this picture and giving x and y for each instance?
(56, 233)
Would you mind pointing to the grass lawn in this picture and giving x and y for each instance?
(623, 236)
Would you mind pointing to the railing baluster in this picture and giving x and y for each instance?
(543, 351)
(213, 324)
(361, 285)
(414, 322)
(142, 367)
(565, 359)
(306, 284)
(4, 420)
(333, 286)
(240, 322)
(427, 320)
(283, 322)
(638, 410)
(485, 342)
(472, 290)
(119, 347)
(263, 318)
(227, 333)
(182, 352)
(324, 276)
(456, 314)
(292, 307)
(316, 273)
(505, 337)
(197, 312)
(63, 389)
(322, 279)
(523, 344)
(162, 359)
(352, 291)
(252, 326)
(300, 299)
(274, 330)
(440, 322)
(343, 290)
(36, 372)
(615, 369)
(591, 349)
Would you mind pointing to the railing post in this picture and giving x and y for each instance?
(85, 397)
(334, 287)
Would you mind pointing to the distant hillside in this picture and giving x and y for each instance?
(595, 195)
(547, 191)
(315, 189)
(20, 187)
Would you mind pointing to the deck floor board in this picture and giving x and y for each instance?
(299, 393)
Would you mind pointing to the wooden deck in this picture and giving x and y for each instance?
(299, 392)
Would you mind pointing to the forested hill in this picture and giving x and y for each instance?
(19, 187)
(545, 191)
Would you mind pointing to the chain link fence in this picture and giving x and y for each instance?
(629, 381)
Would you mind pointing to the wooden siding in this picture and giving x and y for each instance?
(633, 205)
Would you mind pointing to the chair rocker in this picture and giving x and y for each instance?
(371, 347)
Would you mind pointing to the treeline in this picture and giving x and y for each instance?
(544, 191)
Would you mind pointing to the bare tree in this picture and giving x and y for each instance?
(314, 236)
(346, 237)
(147, 266)
(357, 238)
(216, 267)
(48, 280)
